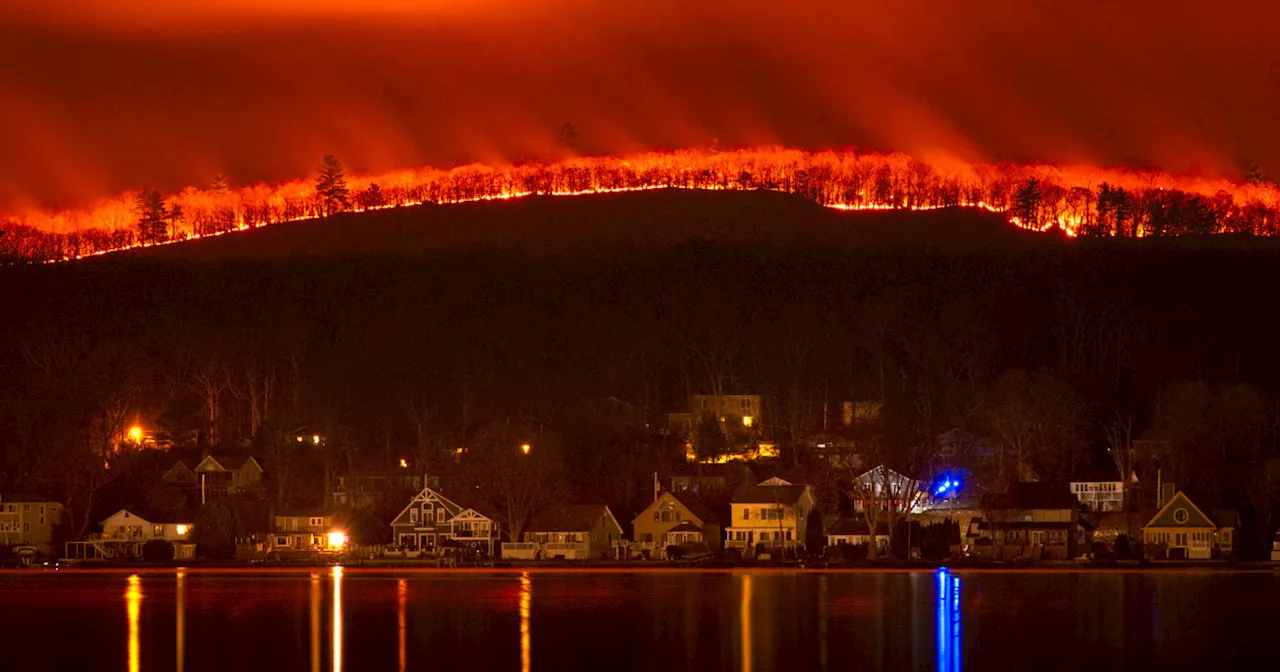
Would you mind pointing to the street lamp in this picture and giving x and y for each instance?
(135, 434)
(525, 449)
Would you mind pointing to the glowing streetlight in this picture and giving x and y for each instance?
(315, 438)
(135, 434)
(403, 463)
(525, 449)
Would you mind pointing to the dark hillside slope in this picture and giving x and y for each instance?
(597, 223)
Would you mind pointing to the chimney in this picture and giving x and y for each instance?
(1167, 491)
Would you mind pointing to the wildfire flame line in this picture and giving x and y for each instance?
(1077, 200)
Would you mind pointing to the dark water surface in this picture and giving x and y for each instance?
(623, 621)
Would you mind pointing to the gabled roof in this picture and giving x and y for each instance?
(179, 471)
(451, 507)
(686, 526)
(1168, 515)
(765, 493)
(580, 518)
(226, 463)
(155, 517)
(1032, 496)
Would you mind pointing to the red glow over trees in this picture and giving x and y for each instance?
(1078, 200)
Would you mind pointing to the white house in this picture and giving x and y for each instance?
(1099, 492)
(124, 525)
(124, 533)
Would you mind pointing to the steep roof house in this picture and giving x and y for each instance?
(432, 520)
(673, 519)
(1181, 529)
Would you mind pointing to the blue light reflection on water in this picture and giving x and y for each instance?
(948, 617)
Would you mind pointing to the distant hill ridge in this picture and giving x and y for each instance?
(596, 223)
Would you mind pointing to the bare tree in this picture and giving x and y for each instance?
(515, 481)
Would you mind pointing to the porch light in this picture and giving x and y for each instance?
(747, 421)
(403, 463)
(525, 449)
(337, 539)
(182, 530)
(135, 434)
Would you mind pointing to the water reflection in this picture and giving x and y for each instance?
(315, 622)
(402, 599)
(526, 604)
(822, 622)
(948, 615)
(181, 618)
(337, 619)
(133, 610)
(744, 616)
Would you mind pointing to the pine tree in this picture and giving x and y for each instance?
(331, 186)
(152, 216)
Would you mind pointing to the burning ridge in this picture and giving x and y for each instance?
(1078, 200)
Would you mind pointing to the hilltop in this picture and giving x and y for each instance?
(598, 223)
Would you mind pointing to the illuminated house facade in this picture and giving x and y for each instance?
(433, 521)
(774, 513)
(1182, 530)
(673, 519)
(125, 532)
(305, 533)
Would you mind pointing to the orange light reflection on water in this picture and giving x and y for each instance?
(402, 599)
(133, 609)
(526, 604)
(315, 622)
(337, 619)
(181, 618)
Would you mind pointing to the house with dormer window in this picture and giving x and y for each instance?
(673, 519)
(1181, 529)
(433, 521)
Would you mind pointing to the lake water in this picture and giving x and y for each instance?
(655, 621)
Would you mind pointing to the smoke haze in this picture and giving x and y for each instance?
(99, 97)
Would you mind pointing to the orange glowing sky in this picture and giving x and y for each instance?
(100, 97)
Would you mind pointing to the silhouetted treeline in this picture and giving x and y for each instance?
(1085, 201)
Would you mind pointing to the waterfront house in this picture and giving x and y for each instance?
(774, 513)
(1030, 521)
(126, 531)
(673, 519)
(304, 532)
(1181, 529)
(29, 521)
(856, 531)
(588, 531)
(432, 521)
